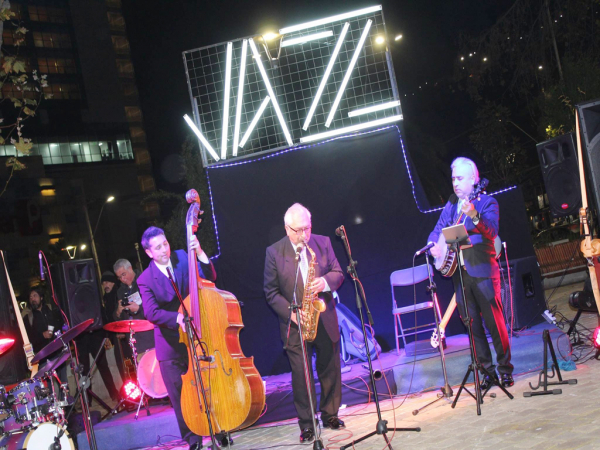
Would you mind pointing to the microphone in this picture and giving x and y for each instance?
(424, 249)
(340, 230)
(42, 277)
(209, 358)
(298, 251)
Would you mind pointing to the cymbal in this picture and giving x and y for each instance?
(6, 344)
(58, 343)
(52, 364)
(125, 326)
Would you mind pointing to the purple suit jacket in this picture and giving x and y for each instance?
(280, 270)
(161, 304)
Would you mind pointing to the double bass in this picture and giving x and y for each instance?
(233, 388)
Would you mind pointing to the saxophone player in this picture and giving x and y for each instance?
(279, 281)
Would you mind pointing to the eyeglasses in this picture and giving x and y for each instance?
(300, 231)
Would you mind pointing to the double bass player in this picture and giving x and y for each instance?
(161, 307)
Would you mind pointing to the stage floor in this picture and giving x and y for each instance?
(561, 421)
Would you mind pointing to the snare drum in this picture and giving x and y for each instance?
(40, 437)
(29, 404)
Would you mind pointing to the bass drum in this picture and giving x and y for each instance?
(149, 377)
(41, 437)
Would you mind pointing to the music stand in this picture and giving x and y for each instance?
(458, 239)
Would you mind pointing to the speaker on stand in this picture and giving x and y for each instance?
(589, 118)
(558, 161)
(77, 291)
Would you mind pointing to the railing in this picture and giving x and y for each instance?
(558, 258)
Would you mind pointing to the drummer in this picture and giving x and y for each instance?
(129, 303)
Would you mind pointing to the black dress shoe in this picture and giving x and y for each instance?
(307, 435)
(487, 381)
(335, 423)
(196, 446)
(507, 380)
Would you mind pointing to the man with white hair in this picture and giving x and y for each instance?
(480, 272)
(279, 282)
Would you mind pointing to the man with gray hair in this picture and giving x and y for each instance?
(480, 272)
(279, 282)
(129, 303)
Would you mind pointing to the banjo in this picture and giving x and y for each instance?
(447, 261)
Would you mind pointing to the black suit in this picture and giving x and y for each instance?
(279, 277)
(481, 279)
(161, 307)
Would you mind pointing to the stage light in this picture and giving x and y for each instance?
(334, 55)
(206, 144)
(269, 36)
(398, 37)
(360, 126)
(263, 72)
(226, 100)
(348, 72)
(255, 120)
(379, 40)
(305, 39)
(370, 109)
(326, 20)
(596, 338)
(240, 95)
(131, 391)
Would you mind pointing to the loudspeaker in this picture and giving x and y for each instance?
(558, 160)
(77, 291)
(528, 301)
(589, 117)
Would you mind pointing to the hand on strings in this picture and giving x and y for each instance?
(195, 245)
(318, 285)
(468, 209)
(436, 250)
(180, 321)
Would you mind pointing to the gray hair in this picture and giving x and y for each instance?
(122, 264)
(293, 210)
(461, 160)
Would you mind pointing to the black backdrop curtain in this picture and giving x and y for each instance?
(362, 182)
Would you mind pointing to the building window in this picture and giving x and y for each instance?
(116, 21)
(10, 90)
(56, 65)
(120, 44)
(47, 14)
(125, 68)
(129, 89)
(63, 91)
(51, 40)
(146, 183)
(133, 113)
(137, 134)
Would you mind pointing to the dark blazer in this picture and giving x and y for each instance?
(280, 271)
(161, 304)
(480, 260)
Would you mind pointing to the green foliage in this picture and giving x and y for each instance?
(174, 207)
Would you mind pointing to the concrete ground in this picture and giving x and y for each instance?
(567, 421)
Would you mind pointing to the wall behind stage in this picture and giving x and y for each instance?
(362, 182)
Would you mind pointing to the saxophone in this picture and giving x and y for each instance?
(312, 305)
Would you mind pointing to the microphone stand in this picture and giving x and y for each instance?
(295, 307)
(381, 428)
(474, 367)
(192, 336)
(446, 389)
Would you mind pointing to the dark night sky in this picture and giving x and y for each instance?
(431, 29)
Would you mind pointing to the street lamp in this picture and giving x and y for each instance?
(108, 200)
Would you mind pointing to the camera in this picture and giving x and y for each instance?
(125, 301)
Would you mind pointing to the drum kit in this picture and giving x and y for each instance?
(32, 413)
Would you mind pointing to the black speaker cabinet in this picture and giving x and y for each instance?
(558, 160)
(589, 119)
(528, 301)
(77, 290)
